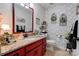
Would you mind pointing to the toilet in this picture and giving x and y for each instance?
(51, 44)
(57, 43)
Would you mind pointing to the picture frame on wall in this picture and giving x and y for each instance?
(63, 20)
(77, 9)
(53, 18)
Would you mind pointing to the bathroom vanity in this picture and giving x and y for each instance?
(23, 22)
(30, 46)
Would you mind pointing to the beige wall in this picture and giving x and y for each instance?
(6, 10)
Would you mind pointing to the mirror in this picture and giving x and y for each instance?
(22, 19)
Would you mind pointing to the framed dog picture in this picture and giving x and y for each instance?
(53, 18)
(63, 20)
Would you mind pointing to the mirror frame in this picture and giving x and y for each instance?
(13, 20)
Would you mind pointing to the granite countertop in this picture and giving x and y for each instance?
(20, 43)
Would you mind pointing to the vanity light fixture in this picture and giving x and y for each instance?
(22, 4)
(26, 5)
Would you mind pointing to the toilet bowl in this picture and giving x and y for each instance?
(60, 43)
(50, 44)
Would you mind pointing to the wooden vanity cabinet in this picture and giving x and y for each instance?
(37, 48)
(34, 49)
(19, 52)
(44, 46)
(35, 52)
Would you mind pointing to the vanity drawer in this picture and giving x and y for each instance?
(19, 52)
(36, 52)
(33, 45)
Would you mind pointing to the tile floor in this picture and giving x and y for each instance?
(55, 51)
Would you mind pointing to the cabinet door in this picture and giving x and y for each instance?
(44, 46)
(39, 53)
(33, 45)
(19, 52)
(36, 52)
